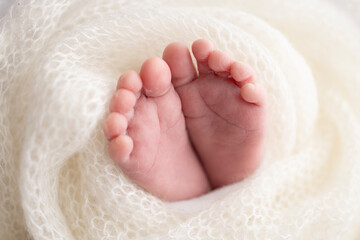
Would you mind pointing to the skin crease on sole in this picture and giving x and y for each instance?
(178, 132)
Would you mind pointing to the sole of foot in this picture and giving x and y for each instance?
(224, 107)
(147, 135)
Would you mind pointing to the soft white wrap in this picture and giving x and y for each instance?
(59, 63)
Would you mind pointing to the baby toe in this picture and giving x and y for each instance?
(253, 93)
(123, 101)
(120, 149)
(156, 77)
(178, 57)
(242, 73)
(220, 61)
(201, 49)
(115, 124)
(130, 81)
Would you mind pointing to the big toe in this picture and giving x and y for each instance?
(177, 56)
(156, 77)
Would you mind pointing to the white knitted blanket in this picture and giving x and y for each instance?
(59, 63)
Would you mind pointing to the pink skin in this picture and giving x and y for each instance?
(224, 116)
(224, 108)
(147, 135)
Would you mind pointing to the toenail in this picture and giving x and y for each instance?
(251, 85)
(154, 93)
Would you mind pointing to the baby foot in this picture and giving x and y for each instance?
(224, 108)
(147, 135)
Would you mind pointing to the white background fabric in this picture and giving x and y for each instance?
(59, 64)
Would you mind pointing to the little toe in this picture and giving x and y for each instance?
(242, 73)
(120, 149)
(115, 124)
(253, 93)
(178, 57)
(220, 62)
(201, 49)
(156, 77)
(123, 101)
(130, 81)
